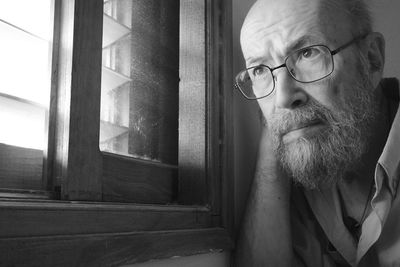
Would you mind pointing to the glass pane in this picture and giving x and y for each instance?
(140, 79)
(25, 52)
(31, 16)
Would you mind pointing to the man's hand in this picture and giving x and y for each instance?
(267, 163)
(265, 238)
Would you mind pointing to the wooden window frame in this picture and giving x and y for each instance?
(79, 230)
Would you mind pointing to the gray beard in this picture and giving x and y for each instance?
(323, 159)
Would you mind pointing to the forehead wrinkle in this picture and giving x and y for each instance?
(255, 37)
(263, 40)
(278, 18)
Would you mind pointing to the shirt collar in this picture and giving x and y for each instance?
(390, 157)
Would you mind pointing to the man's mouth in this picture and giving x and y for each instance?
(302, 130)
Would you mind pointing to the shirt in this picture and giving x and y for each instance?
(319, 235)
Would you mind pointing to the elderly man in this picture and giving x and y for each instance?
(325, 190)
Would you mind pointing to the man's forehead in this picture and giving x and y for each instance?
(284, 22)
(272, 12)
(292, 44)
(279, 22)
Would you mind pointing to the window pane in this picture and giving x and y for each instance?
(32, 16)
(25, 52)
(140, 79)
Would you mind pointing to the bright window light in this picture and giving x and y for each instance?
(32, 16)
(25, 51)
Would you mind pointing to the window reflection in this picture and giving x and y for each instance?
(140, 79)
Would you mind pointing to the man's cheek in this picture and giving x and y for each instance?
(267, 107)
(336, 91)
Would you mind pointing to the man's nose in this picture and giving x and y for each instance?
(289, 93)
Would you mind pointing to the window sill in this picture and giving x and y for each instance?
(63, 233)
(44, 217)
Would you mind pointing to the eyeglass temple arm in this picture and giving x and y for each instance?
(334, 52)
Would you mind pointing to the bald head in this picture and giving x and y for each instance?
(357, 12)
(329, 16)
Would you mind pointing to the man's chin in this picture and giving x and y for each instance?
(308, 165)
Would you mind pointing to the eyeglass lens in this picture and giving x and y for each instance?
(305, 65)
(310, 64)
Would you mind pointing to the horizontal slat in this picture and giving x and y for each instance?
(112, 30)
(26, 194)
(110, 249)
(111, 79)
(43, 218)
(110, 130)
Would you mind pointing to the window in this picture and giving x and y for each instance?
(140, 97)
(25, 52)
(117, 197)
(140, 79)
(116, 77)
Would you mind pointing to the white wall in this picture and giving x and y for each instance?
(246, 117)
(387, 21)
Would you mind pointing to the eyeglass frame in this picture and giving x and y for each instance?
(332, 53)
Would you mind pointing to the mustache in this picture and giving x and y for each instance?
(285, 120)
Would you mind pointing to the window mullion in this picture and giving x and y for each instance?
(77, 157)
(192, 103)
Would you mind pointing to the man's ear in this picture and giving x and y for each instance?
(375, 54)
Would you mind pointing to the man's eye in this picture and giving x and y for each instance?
(260, 70)
(309, 53)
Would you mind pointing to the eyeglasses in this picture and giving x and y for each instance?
(306, 65)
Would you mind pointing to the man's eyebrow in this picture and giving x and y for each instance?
(251, 60)
(301, 42)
